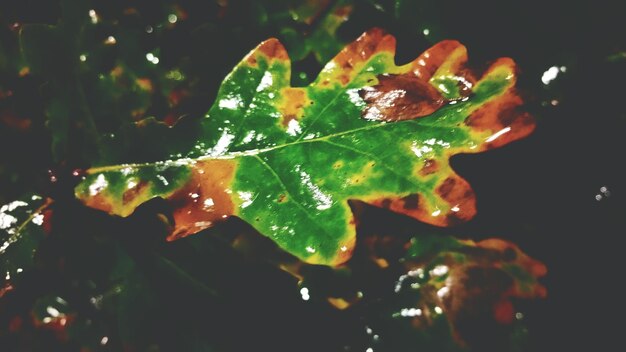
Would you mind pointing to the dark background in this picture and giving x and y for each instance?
(539, 192)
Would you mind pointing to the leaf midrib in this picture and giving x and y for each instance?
(232, 155)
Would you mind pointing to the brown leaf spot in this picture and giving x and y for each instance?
(205, 199)
(345, 249)
(502, 113)
(131, 194)
(361, 50)
(273, 49)
(282, 198)
(411, 202)
(347, 65)
(355, 180)
(400, 97)
(292, 104)
(409, 205)
(286, 119)
(460, 197)
(429, 61)
(98, 201)
(429, 168)
(446, 187)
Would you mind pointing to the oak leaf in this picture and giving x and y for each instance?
(289, 159)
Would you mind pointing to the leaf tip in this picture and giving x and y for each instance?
(272, 49)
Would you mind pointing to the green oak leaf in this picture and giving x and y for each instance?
(289, 159)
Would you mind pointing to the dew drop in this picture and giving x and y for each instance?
(110, 40)
(550, 75)
(93, 16)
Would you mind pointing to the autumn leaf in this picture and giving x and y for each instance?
(288, 159)
(431, 290)
(467, 282)
(427, 290)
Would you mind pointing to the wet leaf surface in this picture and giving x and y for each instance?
(288, 159)
(21, 232)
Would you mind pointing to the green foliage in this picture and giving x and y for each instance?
(20, 235)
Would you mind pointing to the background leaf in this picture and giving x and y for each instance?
(21, 233)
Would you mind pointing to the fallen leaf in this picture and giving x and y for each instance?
(288, 159)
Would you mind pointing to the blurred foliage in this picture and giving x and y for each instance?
(21, 223)
(110, 284)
